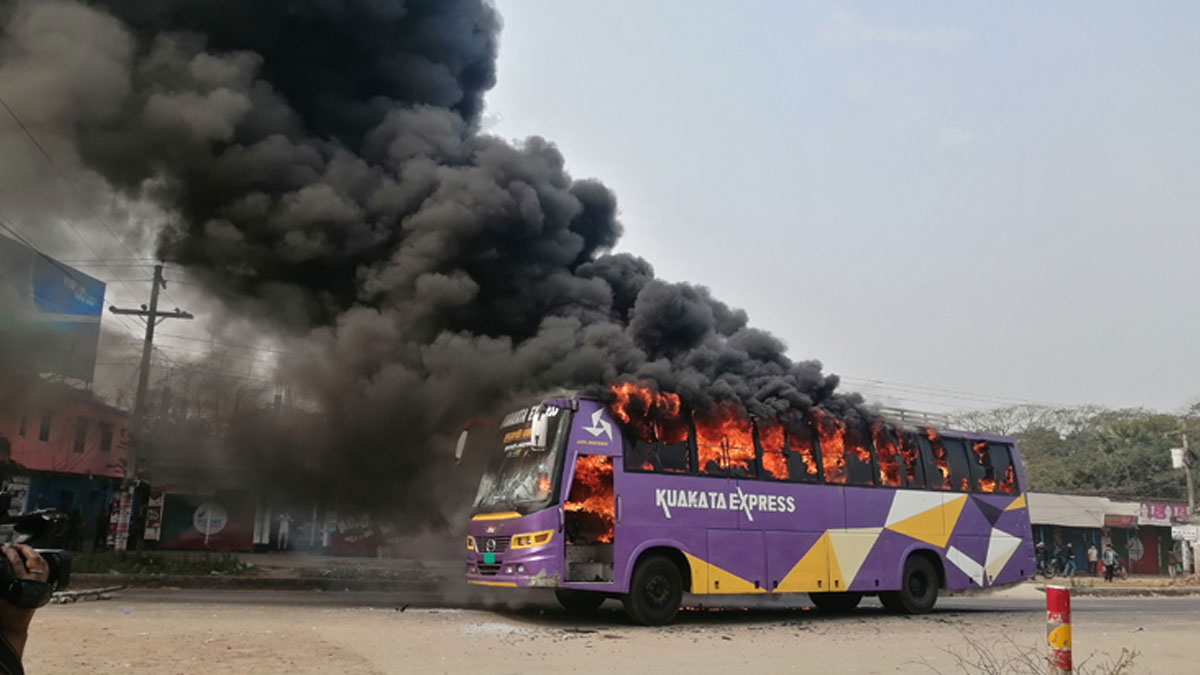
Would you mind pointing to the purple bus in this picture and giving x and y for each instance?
(638, 501)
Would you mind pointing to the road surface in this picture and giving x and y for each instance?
(167, 631)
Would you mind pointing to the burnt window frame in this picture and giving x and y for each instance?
(630, 444)
(956, 481)
(726, 474)
(759, 450)
(977, 470)
(919, 467)
(872, 465)
(1008, 449)
(900, 466)
(925, 447)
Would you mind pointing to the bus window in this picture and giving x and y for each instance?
(983, 475)
(831, 443)
(725, 443)
(860, 469)
(665, 450)
(914, 468)
(936, 464)
(886, 454)
(960, 470)
(1001, 456)
(786, 454)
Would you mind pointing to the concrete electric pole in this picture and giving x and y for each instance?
(1181, 458)
(152, 317)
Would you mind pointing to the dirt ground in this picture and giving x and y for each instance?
(136, 635)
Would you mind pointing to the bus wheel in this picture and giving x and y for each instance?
(654, 592)
(918, 589)
(835, 603)
(580, 602)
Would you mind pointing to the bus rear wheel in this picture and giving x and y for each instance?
(918, 588)
(654, 591)
(835, 603)
(579, 602)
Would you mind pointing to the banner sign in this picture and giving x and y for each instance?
(1153, 513)
(52, 307)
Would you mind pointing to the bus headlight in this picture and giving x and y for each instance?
(470, 543)
(532, 539)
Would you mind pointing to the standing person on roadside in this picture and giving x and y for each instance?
(1093, 556)
(1069, 568)
(1110, 562)
(29, 567)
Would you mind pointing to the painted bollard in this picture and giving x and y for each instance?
(1058, 628)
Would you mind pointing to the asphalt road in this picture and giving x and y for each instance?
(1022, 600)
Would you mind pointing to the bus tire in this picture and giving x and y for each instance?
(918, 588)
(835, 603)
(579, 602)
(654, 591)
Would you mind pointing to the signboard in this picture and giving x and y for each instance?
(1186, 532)
(154, 509)
(1117, 520)
(1153, 513)
(51, 307)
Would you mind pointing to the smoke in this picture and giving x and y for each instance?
(324, 173)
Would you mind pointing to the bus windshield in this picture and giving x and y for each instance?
(521, 477)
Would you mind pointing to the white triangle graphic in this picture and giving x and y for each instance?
(968, 566)
(851, 547)
(1000, 548)
(907, 504)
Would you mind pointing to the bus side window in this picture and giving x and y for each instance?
(937, 467)
(1006, 473)
(656, 457)
(887, 455)
(960, 470)
(725, 446)
(786, 453)
(983, 475)
(860, 465)
(914, 468)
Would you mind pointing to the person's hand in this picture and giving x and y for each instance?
(14, 621)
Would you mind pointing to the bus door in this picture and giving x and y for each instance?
(589, 517)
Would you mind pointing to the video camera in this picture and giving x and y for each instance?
(44, 525)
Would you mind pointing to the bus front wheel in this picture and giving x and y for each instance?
(579, 602)
(918, 588)
(654, 591)
(835, 603)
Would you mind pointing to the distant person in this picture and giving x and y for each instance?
(1110, 562)
(1069, 568)
(1093, 556)
(285, 526)
(1042, 557)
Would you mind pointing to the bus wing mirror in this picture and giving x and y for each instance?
(462, 445)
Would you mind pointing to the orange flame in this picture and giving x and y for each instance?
(592, 492)
(725, 440)
(771, 437)
(939, 458)
(980, 448)
(831, 433)
(543, 484)
(653, 416)
(886, 455)
(1008, 486)
(911, 454)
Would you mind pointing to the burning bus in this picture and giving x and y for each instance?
(634, 497)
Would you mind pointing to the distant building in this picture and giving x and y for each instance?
(70, 449)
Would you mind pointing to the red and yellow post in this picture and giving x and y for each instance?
(1058, 628)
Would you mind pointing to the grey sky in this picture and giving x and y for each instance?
(991, 198)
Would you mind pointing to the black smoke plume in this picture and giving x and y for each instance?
(326, 175)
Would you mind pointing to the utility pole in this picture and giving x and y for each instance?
(152, 317)
(1191, 553)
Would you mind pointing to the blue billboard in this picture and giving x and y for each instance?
(50, 310)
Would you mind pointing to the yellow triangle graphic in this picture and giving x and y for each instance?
(951, 510)
(1018, 503)
(928, 526)
(699, 574)
(721, 581)
(812, 567)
